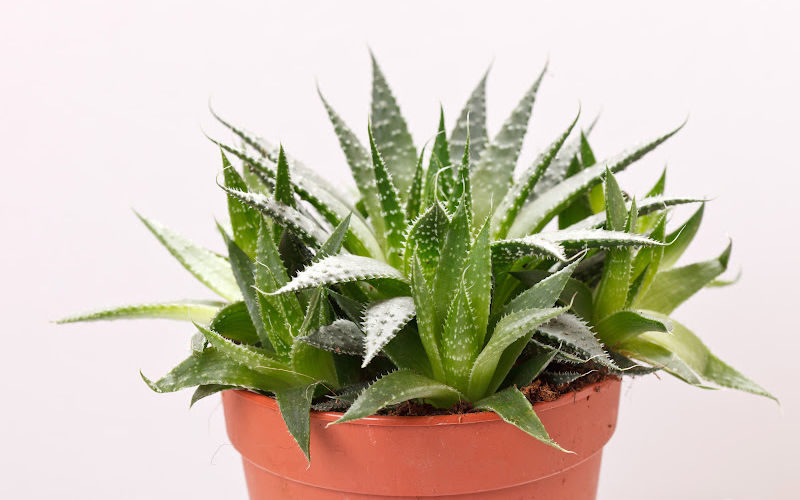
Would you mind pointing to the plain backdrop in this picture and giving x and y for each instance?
(103, 110)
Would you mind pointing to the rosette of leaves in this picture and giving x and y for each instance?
(447, 276)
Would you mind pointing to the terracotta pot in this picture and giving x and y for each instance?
(475, 455)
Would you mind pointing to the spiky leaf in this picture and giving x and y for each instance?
(198, 311)
(691, 350)
(520, 191)
(391, 132)
(342, 268)
(397, 387)
(625, 325)
(391, 210)
(212, 367)
(244, 219)
(382, 321)
(492, 174)
(681, 238)
(514, 408)
(471, 123)
(295, 407)
(303, 227)
(341, 337)
(672, 287)
(535, 216)
(428, 323)
(209, 268)
(508, 330)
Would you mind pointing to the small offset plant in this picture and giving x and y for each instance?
(448, 279)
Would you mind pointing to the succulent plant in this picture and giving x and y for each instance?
(448, 278)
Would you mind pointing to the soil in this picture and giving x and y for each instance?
(536, 392)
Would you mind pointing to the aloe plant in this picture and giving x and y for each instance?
(452, 276)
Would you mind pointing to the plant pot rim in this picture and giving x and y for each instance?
(434, 420)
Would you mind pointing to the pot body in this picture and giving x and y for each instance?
(476, 455)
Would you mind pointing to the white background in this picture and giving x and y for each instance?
(103, 105)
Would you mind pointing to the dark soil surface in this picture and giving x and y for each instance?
(538, 391)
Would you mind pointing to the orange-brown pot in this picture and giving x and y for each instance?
(474, 455)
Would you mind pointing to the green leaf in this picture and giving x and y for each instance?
(646, 264)
(307, 359)
(280, 314)
(513, 407)
(691, 350)
(360, 239)
(460, 340)
(204, 391)
(333, 245)
(535, 216)
(382, 321)
(674, 286)
(660, 358)
(424, 236)
(212, 367)
(233, 321)
(428, 323)
(391, 131)
(478, 280)
(303, 227)
(681, 238)
(471, 123)
(397, 387)
(244, 271)
(575, 292)
(579, 239)
(340, 337)
(391, 210)
(361, 167)
(506, 252)
(198, 311)
(569, 155)
(295, 407)
(520, 190)
(252, 358)
(543, 293)
(440, 157)
(611, 293)
(209, 268)
(491, 177)
(450, 268)
(406, 351)
(414, 201)
(625, 325)
(658, 187)
(645, 207)
(244, 220)
(342, 268)
(526, 371)
(574, 338)
(284, 192)
(509, 329)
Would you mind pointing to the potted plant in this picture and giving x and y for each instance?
(402, 335)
